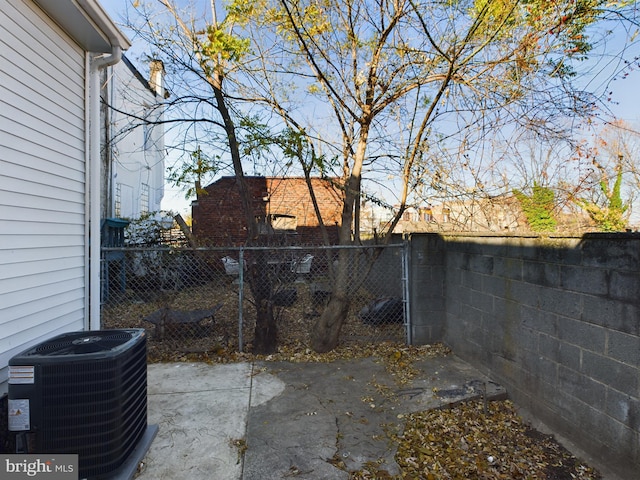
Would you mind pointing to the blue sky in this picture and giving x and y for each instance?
(624, 98)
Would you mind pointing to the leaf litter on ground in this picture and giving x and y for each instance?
(467, 441)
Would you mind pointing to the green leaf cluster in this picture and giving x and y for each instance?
(192, 172)
(223, 45)
(610, 216)
(538, 208)
(569, 20)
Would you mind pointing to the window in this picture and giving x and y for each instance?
(144, 199)
(117, 201)
(426, 214)
(284, 222)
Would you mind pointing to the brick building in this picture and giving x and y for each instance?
(282, 202)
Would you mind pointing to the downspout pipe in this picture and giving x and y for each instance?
(97, 63)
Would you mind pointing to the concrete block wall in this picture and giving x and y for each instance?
(427, 288)
(555, 320)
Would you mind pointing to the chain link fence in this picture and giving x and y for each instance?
(201, 301)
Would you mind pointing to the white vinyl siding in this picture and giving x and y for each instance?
(42, 180)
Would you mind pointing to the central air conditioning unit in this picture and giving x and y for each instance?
(81, 393)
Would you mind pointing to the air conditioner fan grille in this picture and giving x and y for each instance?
(83, 343)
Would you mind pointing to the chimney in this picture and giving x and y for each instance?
(156, 76)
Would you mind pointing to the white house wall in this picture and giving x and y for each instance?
(138, 150)
(42, 181)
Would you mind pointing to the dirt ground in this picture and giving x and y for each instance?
(219, 338)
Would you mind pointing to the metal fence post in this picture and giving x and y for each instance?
(405, 292)
(240, 297)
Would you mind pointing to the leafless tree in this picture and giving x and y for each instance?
(383, 94)
(394, 83)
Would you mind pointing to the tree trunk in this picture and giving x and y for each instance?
(266, 331)
(326, 331)
(191, 239)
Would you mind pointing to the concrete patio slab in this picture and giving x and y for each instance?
(200, 411)
(274, 420)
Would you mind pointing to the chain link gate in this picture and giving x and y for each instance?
(199, 301)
